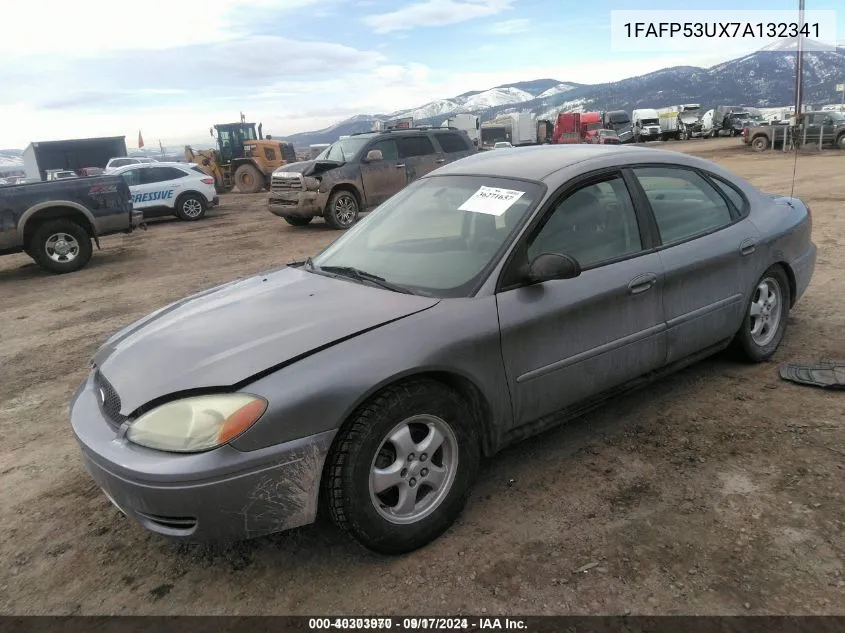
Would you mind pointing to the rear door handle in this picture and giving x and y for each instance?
(440, 160)
(402, 166)
(747, 247)
(641, 283)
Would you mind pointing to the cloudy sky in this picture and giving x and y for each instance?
(172, 68)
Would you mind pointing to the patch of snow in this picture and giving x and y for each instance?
(555, 90)
(433, 109)
(496, 97)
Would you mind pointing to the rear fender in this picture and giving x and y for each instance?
(30, 213)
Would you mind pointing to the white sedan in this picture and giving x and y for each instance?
(180, 189)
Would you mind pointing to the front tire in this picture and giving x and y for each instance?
(760, 144)
(191, 207)
(298, 221)
(765, 319)
(840, 142)
(400, 470)
(342, 210)
(60, 246)
(248, 179)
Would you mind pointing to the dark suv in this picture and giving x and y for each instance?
(359, 172)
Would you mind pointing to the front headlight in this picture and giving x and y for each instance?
(195, 424)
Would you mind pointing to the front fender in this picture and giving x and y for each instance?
(457, 337)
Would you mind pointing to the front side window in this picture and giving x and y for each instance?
(684, 204)
(132, 177)
(439, 235)
(594, 224)
(387, 148)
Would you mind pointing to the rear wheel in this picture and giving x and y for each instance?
(766, 316)
(298, 221)
(840, 142)
(400, 471)
(760, 143)
(342, 210)
(191, 207)
(60, 246)
(248, 179)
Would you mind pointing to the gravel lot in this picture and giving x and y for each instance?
(718, 491)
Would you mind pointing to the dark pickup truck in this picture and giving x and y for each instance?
(55, 222)
(822, 127)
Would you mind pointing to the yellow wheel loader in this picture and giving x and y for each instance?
(243, 159)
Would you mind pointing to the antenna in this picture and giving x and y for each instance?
(799, 88)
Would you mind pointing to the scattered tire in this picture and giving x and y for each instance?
(760, 143)
(191, 207)
(342, 210)
(765, 317)
(298, 221)
(400, 470)
(60, 246)
(248, 179)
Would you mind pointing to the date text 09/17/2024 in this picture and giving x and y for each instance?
(417, 624)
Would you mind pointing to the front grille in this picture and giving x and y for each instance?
(279, 184)
(108, 399)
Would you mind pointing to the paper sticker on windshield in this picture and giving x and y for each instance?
(491, 200)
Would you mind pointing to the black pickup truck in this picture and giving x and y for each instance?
(55, 222)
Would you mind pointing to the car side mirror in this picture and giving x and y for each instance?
(547, 266)
(373, 156)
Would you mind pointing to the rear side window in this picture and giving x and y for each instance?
(198, 170)
(451, 142)
(160, 174)
(120, 162)
(685, 205)
(731, 192)
(410, 146)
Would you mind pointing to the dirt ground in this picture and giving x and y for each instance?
(718, 491)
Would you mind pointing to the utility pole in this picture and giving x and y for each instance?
(799, 63)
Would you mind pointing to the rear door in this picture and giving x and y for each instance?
(161, 186)
(453, 146)
(417, 154)
(813, 127)
(381, 179)
(706, 248)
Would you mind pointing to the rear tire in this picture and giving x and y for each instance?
(379, 460)
(342, 210)
(248, 179)
(191, 207)
(760, 143)
(60, 246)
(840, 142)
(298, 221)
(765, 317)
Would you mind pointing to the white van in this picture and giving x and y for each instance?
(646, 125)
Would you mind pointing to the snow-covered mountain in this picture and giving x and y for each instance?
(764, 78)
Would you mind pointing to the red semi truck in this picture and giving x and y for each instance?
(576, 127)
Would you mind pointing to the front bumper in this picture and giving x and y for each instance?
(298, 204)
(216, 496)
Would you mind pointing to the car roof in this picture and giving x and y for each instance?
(149, 165)
(539, 162)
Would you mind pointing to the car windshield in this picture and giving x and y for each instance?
(651, 122)
(439, 235)
(343, 150)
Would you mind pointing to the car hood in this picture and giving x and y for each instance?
(309, 167)
(227, 335)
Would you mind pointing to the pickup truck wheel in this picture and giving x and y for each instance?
(298, 221)
(60, 246)
(342, 210)
(840, 142)
(191, 207)
(248, 179)
(760, 143)
(400, 470)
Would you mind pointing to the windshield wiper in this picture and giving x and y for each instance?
(362, 275)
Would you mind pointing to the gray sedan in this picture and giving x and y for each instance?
(492, 299)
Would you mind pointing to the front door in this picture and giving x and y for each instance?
(707, 255)
(383, 178)
(564, 341)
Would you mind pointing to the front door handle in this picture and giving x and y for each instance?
(440, 160)
(641, 283)
(747, 247)
(402, 166)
